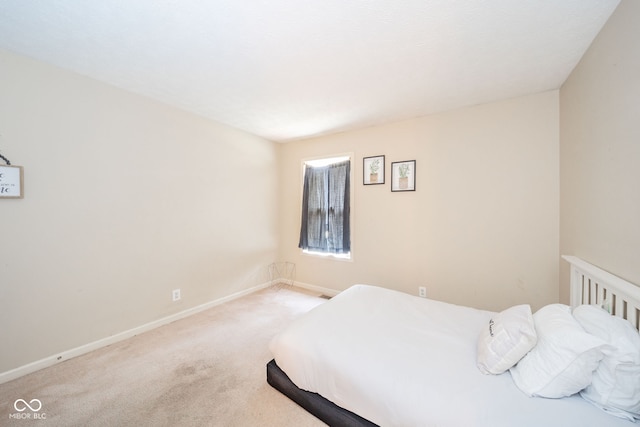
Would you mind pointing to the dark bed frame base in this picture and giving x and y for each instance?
(325, 410)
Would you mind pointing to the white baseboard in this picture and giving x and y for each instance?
(320, 289)
(78, 351)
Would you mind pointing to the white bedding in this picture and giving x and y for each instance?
(400, 360)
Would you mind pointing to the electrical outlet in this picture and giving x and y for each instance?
(175, 295)
(422, 292)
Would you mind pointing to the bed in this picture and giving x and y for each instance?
(372, 356)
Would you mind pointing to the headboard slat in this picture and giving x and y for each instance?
(601, 295)
(593, 294)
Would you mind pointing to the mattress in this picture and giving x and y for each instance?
(315, 404)
(399, 360)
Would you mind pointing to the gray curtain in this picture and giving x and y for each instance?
(325, 209)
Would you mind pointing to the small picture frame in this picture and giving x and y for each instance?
(403, 176)
(373, 170)
(11, 182)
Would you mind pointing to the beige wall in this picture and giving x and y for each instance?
(600, 151)
(480, 229)
(125, 200)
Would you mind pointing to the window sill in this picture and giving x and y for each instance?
(329, 256)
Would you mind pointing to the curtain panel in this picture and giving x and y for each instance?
(326, 202)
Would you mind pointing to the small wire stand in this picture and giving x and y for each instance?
(282, 274)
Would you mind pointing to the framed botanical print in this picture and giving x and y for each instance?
(403, 176)
(373, 170)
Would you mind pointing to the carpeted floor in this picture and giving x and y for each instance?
(205, 370)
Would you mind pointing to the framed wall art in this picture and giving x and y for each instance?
(11, 182)
(403, 176)
(373, 170)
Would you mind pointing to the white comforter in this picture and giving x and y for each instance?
(400, 360)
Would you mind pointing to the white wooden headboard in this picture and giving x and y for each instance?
(592, 285)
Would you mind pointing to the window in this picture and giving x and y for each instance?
(325, 226)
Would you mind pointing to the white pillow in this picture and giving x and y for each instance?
(507, 337)
(616, 383)
(563, 360)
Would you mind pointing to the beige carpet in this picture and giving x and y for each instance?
(205, 370)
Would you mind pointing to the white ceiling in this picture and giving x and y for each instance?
(291, 69)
